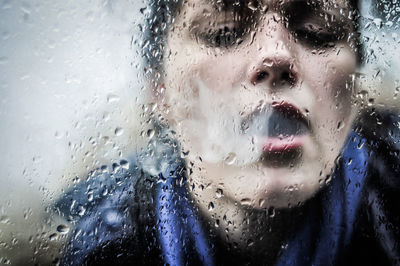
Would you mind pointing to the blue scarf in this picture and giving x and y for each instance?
(319, 241)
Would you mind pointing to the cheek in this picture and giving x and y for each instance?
(218, 69)
(219, 72)
(222, 72)
(329, 78)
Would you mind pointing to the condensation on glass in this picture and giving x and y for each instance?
(208, 132)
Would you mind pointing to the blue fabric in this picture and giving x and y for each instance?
(319, 241)
(180, 231)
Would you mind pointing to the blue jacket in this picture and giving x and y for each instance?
(130, 217)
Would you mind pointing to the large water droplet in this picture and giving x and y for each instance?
(231, 158)
(150, 133)
(124, 164)
(219, 193)
(62, 229)
(211, 206)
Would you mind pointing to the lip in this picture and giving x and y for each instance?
(283, 144)
(291, 110)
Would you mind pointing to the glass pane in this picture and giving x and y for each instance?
(211, 132)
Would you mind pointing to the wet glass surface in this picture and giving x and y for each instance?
(200, 132)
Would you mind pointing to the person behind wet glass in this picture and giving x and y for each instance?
(261, 152)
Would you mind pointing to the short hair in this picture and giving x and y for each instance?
(162, 15)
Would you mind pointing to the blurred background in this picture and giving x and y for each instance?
(72, 88)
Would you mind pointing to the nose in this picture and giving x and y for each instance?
(274, 62)
(274, 72)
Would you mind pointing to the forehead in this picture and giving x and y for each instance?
(270, 4)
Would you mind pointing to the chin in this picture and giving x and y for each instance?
(280, 188)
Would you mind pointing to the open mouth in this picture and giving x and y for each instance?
(279, 127)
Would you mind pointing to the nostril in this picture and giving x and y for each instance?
(285, 75)
(288, 77)
(262, 75)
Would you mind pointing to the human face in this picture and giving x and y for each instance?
(259, 93)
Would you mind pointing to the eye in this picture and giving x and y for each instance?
(312, 25)
(224, 27)
(224, 36)
(318, 35)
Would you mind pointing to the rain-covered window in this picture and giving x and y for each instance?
(200, 132)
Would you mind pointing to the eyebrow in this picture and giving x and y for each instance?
(310, 5)
(226, 4)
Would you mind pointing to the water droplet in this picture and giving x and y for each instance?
(58, 135)
(371, 101)
(340, 125)
(118, 131)
(4, 219)
(53, 237)
(90, 197)
(62, 229)
(271, 212)
(328, 179)
(245, 201)
(81, 210)
(219, 193)
(231, 158)
(261, 202)
(153, 106)
(124, 164)
(252, 5)
(268, 63)
(104, 168)
(360, 144)
(184, 154)
(112, 98)
(150, 133)
(115, 167)
(217, 223)
(14, 241)
(211, 206)
(378, 22)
